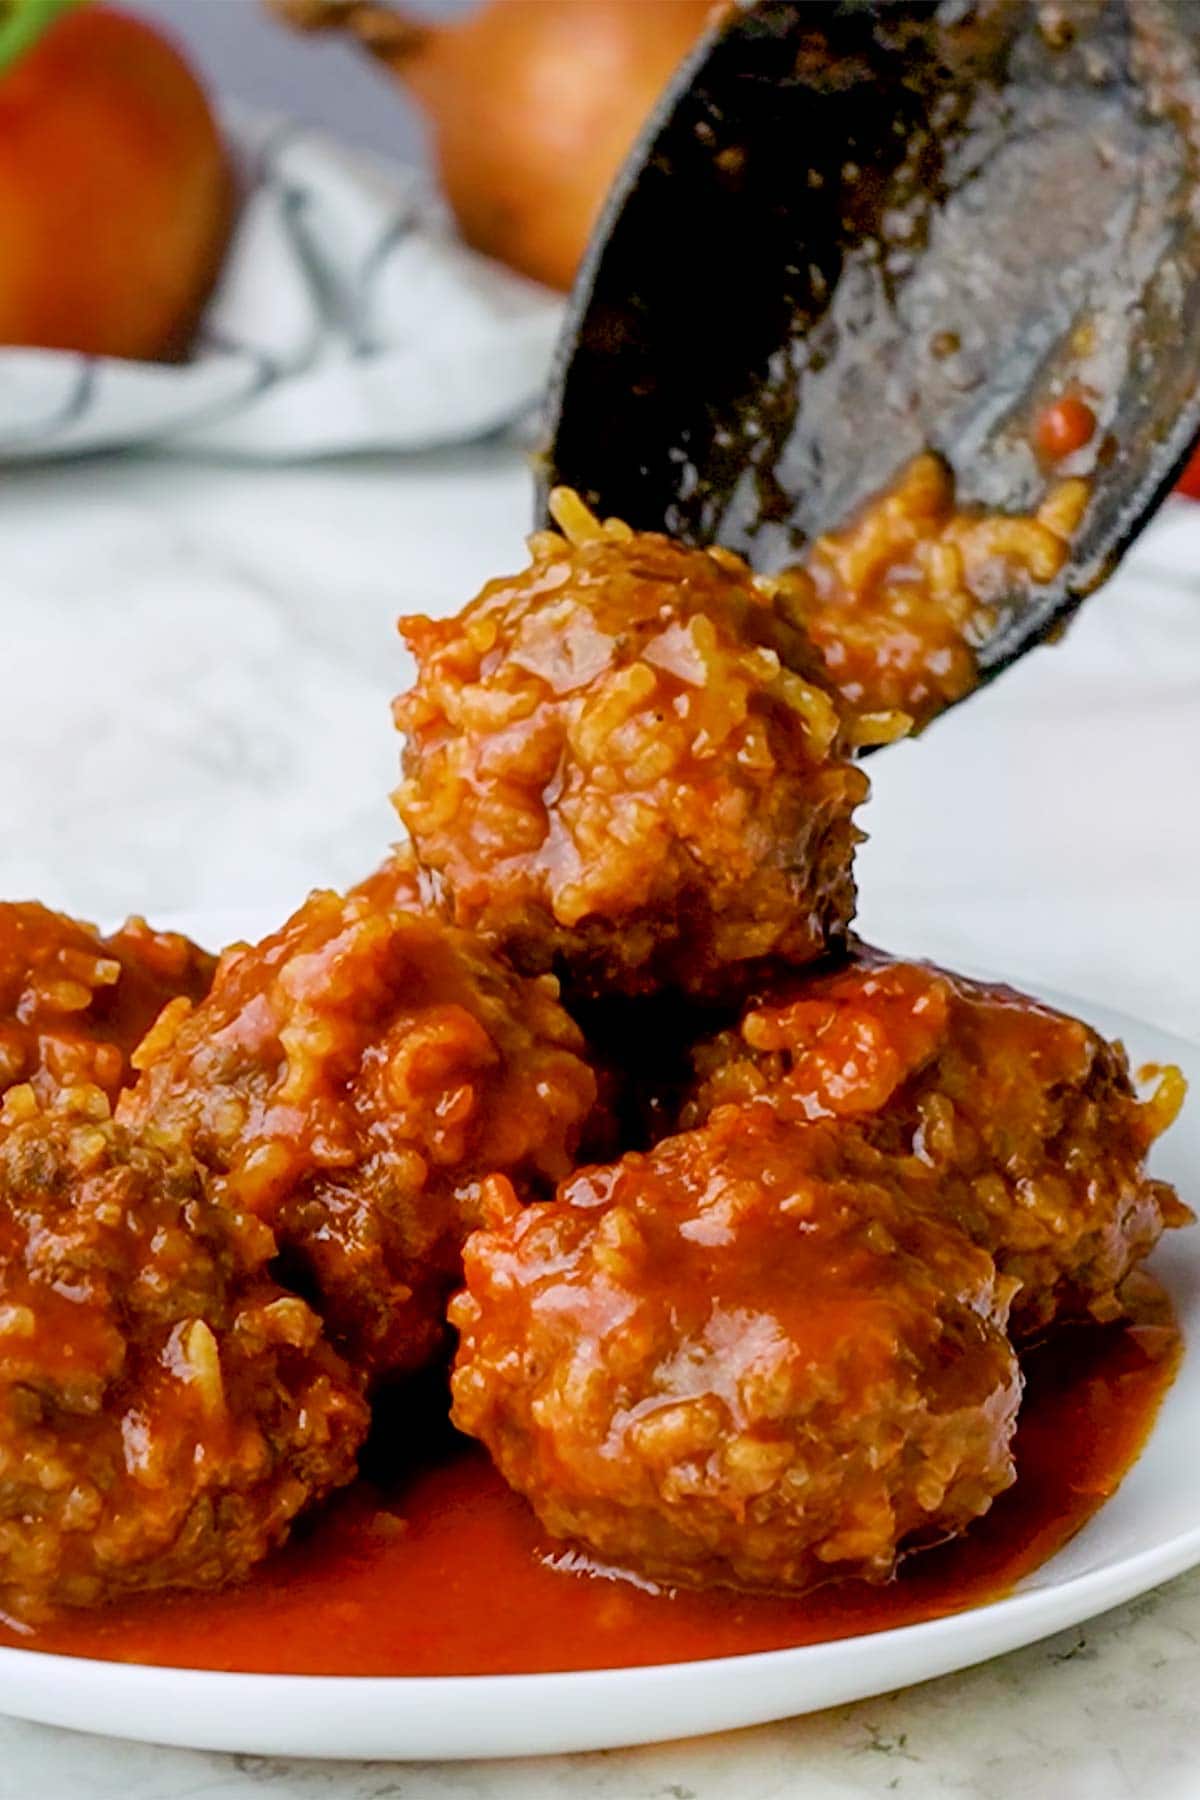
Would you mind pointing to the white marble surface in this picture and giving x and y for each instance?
(195, 664)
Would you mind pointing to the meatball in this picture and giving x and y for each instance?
(166, 1409)
(350, 1080)
(73, 1004)
(728, 1361)
(619, 766)
(1017, 1122)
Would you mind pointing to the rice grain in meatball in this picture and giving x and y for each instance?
(1019, 1123)
(74, 1004)
(351, 1080)
(732, 1361)
(619, 765)
(166, 1409)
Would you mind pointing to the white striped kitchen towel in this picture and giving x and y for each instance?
(348, 316)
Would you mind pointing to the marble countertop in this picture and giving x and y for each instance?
(195, 665)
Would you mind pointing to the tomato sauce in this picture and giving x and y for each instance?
(450, 1575)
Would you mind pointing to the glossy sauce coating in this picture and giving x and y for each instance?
(735, 1360)
(618, 764)
(166, 1409)
(350, 1080)
(1016, 1122)
(74, 1005)
(390, 1584)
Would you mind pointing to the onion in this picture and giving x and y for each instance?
(532, 106)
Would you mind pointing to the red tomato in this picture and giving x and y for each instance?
(115, 190)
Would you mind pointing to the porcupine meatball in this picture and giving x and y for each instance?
(1015, 1121)
(351, 1079)
(618, 765)
(73, 1004)
(166, 1409)
(729, 1361)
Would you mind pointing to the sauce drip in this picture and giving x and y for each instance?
(452, 1575)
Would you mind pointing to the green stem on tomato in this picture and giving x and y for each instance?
(22, 23)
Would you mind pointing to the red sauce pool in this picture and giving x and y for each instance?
(452, 1576)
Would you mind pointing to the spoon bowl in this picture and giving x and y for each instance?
(854, 231)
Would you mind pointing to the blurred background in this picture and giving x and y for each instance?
(240, 51)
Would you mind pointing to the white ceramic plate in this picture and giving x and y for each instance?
(1148, 1532)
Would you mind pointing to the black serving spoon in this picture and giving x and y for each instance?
(853, 231)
